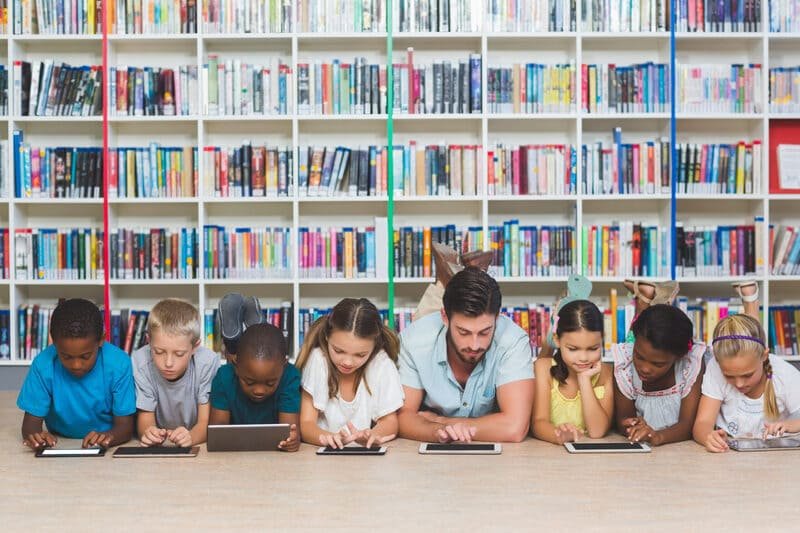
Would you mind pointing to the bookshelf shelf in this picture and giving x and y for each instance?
(531, 116)
(247, 118)
(426, 199)
(342, 281)
(341, 199)
(545, 35)
(58, 282)
(249, 200)
(720, 197)
(624, 197)
(719, 116)
(158, 37)
(233, 37)
(783, 279)
(328, 118)
(624, 116)
(714, 279)
(59, 201)
(247, 281)
(702, 36)
(56, 38)
(625, 36)
(776, 36)
(16, 362)
(784, 197)
(154, 119)
(783, 116)
(63, 119)
(177, 200)
(152, 282)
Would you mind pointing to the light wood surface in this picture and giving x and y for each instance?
(531, 486)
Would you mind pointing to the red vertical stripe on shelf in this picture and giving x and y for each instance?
(106, 257)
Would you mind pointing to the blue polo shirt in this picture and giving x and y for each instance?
(73, 406)
(423, 365)
(227, 395)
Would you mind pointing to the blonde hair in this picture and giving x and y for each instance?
(360, 317)
(175, 317)
(745, 329)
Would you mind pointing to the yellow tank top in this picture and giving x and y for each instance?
(565, 410)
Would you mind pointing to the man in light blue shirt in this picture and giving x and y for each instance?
(467, 373)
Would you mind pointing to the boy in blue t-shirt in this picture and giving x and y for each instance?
(259, 386)
(80, 386)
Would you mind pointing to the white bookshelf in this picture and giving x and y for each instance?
(484, 129)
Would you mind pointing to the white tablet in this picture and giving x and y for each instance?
(764, 445)
(607, 447)
(352, 450)
(246, 437)
(71, 452)
(461, 448)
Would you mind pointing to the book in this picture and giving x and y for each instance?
(783, 331)
(57, 17)
(233, 87)
(719, 168)
(33, 330)
(58, 172)
(314, 16)
(625, 16)
(153, 91)
(784, 16)
(453, 15)
(783, 94)
(715, 250)
(339, 252)
(626, 168)
(530, 16)
(412, 247)
(248, 170)
(441, 87)
(127, 329)
(533, 169)
(717, 16)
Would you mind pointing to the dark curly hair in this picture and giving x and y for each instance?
(76, 318)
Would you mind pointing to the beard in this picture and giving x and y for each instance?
(465, 355)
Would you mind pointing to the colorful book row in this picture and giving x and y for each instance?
(58, 253)
(626, 168)
(243, 253)
(532, 16)
(719, 168)
(719, 88)
(281, 318)
(248, 16)
(625, 15)
(129, 17)
(436, 16)
(718, 250)
(534, 169)
(718, 15)
(640, 88)
(784, 249)
(59, 172)
(128, 328)
(156, 253)
(346, 252)
(531, 251)
(441, 87)
(340, 171)
(248, 171)
(153, 91)
(626, 249)
(784, 89)
(531, 88)
(154, 171)
(783, 329)
(233, 87)
(44, 88)
(58, 17)
(413, 245)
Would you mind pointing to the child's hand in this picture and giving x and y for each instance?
(775, 429)
(458, 432)
(717, 441)
(292, 444)
(567, 433)
(637, 430)
(366, 437)
(332, 440)
(95, 438)
(590, 372)
(153, 436)
(42, 439)
(180, 436)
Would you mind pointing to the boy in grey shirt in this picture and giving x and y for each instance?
(173, 377)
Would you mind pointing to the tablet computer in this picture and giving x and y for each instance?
(351, 450)
(246, 437)
(461, 448)
(762, 445)
(70, 452)
(607, 447)
(155, 451)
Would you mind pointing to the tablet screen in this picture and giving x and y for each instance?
(352, 450)
(606, 446)
(769, 444)
(154, 450)
(81, 452)
(459, 447)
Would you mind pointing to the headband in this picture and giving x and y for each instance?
(739, 338)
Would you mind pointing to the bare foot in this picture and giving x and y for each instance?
(445, 259)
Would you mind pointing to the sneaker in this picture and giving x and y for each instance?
(251, 312)
(231, 308)
(445, 259)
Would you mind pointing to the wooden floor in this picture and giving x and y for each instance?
(532, 485)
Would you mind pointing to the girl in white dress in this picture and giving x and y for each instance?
(350, 386)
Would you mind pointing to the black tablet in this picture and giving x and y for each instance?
(461, 448)
(607, 447)
(155, 451)
(351, 450)
(70, 452)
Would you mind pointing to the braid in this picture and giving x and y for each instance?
(771, 412)
(559, 371)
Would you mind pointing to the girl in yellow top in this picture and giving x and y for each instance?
(578, 398)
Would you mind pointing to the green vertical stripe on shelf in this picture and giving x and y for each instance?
(390, 161)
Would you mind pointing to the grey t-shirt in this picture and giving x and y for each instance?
(174, 402)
